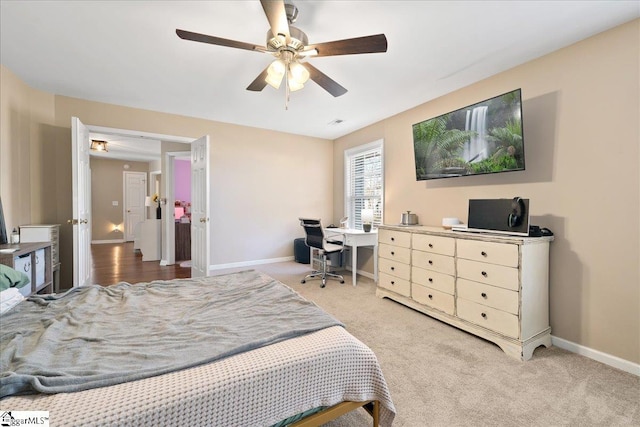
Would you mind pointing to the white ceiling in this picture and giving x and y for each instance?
(127, 53)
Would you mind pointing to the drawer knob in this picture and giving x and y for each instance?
(393, 282)
(430, 262)
(430, 245)
(393, 253)
(430, 296)
(393, 239)
(484, 315)
(483, 295)
(393, 268)
(484, 273)
(483, 253)
(430, 280)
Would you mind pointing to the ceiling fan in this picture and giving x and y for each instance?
(291, 48)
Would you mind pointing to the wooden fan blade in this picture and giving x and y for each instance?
(366, 44)
(203, 38)
(324, 81)
(259, 83)
(277, 17)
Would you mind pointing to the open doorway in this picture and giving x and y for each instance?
(177, 178)
(138, 146)
(81, 176)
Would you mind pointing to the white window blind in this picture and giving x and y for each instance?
(364, 183)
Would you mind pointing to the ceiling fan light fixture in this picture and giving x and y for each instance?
(275, 72)
(294, 84)
(298, 73)
(290, 45)
(274, 81)
(97, 145)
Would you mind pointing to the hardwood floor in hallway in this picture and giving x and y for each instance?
(117, 262)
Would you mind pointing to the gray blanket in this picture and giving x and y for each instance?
(97, 336)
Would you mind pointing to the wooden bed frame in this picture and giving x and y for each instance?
(335, 411)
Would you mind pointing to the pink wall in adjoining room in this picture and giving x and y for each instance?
(182, 174)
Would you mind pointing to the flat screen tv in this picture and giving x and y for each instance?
(479, 139)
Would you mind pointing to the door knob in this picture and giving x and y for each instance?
(72, 221)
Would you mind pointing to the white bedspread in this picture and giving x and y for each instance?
(256, 388)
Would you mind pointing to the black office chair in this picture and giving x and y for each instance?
(316, 239)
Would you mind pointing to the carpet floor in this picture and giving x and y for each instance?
(439, 375)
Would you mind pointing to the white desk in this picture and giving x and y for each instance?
(354, 239)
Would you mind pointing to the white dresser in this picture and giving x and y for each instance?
(45, 233)
(496, 287)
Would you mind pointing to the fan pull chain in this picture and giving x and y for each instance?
(286, 88)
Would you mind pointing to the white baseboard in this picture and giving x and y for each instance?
(607, 359)
(102, 242)
(249, 263)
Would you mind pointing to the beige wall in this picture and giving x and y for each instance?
(581, 132)
(107, 183)
(26, 151)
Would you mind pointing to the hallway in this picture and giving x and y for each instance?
(117, 262)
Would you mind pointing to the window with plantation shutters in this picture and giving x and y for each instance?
(364, 183)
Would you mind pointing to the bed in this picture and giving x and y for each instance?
(267, 374)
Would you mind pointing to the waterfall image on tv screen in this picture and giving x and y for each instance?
(482, 138)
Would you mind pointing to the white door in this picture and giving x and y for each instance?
(200, 237)
(135, 190)
(81, 191)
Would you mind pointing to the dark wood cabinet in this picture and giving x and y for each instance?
(183, 241)
(34, 259)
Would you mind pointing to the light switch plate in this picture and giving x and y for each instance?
(114, 203)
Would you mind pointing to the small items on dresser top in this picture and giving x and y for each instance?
(449, 222)
(15, 237)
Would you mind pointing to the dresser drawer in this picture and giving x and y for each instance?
(433, 298)
(40, 267)
(494, 253)
(23, 264)
(395, 284)
(490, 318)
(435, 262)
(395, 253)
(435, 244)
(496, 275)
(502, 299)
(432, 279)
(394, 268)
(396, 238)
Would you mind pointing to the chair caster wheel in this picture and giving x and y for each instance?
(341, 281)
(303, 281)
(323, 285)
